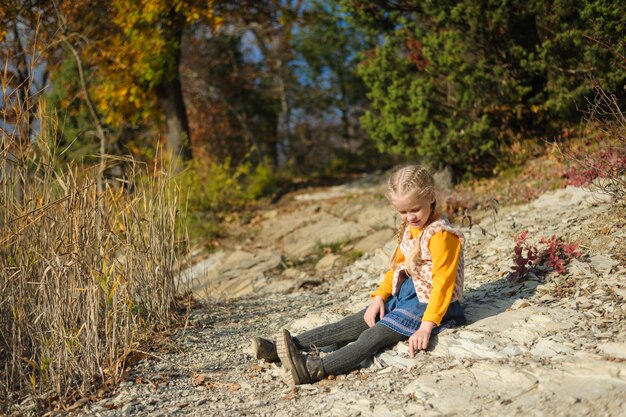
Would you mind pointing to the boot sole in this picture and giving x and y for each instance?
(285, 357)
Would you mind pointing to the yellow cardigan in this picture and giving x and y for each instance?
(445, 248)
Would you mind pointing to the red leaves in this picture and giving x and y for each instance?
(557, 264)
(571, 249)
(519, 240)
(521, 263)
(606, 163)
(559, 253)
(554, 254)
(415, 54)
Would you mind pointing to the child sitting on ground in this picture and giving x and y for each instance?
(419, 295)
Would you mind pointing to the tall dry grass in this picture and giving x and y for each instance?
(86, 267)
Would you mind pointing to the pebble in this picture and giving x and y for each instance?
(128, 409)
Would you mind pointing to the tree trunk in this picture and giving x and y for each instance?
(170, 95)
(283, 128)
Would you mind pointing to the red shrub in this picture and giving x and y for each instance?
(605, 164)
(554, 254)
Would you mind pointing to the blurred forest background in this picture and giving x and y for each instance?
(125, 123)
(256, 96)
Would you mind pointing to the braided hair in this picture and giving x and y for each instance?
(410, 180)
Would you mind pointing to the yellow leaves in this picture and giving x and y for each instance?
(131, 14)
(120, 99)
(217, 23)
(153, 9)
(127, 70)
(134, 52)
(4, 15)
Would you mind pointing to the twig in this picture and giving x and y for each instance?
(88, 100)
(186, 368)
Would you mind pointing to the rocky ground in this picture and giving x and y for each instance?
(551, 346)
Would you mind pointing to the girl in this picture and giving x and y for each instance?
(418, 296)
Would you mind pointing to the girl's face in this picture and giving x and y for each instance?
(415, 210)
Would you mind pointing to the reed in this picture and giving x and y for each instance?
(87, 265)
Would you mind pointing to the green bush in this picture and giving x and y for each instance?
(220, 186)
(456, 82)
(215, 189)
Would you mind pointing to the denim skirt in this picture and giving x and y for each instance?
(403, 312)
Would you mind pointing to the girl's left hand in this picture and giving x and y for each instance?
(420, 338)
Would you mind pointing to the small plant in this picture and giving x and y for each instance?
(522, 264)
(223, 186)
(455, 204)
(353, 255)
(327, 248)
(216, 189)
(556, 253)
(553, 255)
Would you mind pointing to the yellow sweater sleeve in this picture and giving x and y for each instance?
(445, 248)
(384, 289)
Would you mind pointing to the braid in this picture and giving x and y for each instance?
(400, 231)
(408, 180)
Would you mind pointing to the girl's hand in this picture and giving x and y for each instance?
(420, 338)
(375, 309)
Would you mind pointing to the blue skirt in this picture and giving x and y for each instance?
(403, 312)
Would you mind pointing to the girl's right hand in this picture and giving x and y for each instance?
(375, 310)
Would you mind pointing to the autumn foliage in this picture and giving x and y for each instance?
(553, 254)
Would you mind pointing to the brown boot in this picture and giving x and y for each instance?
(300, 369)
(264, 349)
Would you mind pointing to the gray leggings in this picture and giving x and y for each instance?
(367, 341)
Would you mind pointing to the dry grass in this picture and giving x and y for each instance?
(605, 170)
(86, 268)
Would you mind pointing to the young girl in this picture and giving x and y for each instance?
(418, 296)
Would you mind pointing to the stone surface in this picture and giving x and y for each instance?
(373, 241)
(280, 226)
(328, 262)
(366, 184)
(307, 240)
(230, 275)
(613, 349)
(312, 321)
(602, 263)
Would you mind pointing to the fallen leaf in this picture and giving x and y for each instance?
(199, 379)
(78, 404)
(290, 396)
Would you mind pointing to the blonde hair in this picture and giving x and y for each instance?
(410, 180)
